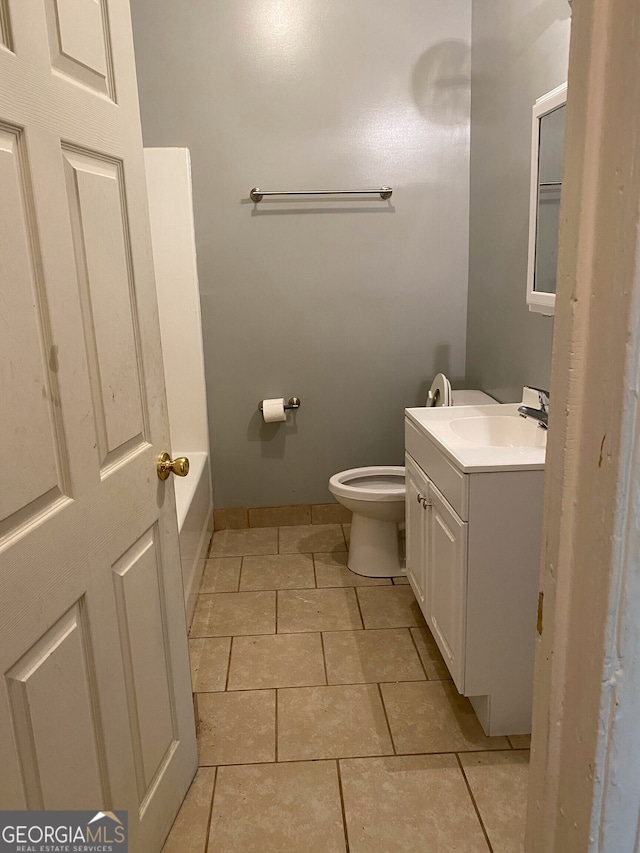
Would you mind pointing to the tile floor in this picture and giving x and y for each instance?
(327, 718)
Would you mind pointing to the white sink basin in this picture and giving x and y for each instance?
(500, 431)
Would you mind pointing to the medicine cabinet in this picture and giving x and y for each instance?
(547, 146)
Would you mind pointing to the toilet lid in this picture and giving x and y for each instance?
(440, 391)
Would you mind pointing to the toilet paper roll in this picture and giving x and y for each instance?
(273, 410)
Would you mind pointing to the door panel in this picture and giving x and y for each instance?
(34, 472)
(138, 589)
(78, 42)
(96, 204)
(95, 698)
(5, 27)
(53, 703)
(447, 596)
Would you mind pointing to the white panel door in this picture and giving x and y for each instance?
(95, 702)
(447, 583)
(416, 517)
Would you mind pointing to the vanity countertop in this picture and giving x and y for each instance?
(442, 425)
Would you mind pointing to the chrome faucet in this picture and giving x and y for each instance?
(541, 414)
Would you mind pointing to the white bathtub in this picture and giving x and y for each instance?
(195, 524)
(174, 256)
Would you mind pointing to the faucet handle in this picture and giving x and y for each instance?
(532, 396)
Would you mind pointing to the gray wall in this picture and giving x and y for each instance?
(520, 50)
(351, 305)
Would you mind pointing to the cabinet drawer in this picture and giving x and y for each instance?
(453, 484)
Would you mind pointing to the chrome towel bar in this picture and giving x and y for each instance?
(257, 194)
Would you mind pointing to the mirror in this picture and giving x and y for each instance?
(547, 146)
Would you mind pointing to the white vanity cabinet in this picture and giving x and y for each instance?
(473, 552)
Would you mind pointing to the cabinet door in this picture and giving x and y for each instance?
(417, 514)
(447, 583)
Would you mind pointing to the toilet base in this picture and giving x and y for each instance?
(374, 548)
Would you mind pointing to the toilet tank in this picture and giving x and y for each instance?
(471, 398)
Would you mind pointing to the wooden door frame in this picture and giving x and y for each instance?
(585, 778)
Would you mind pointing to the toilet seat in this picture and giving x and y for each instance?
(374, 483)
(440, 393)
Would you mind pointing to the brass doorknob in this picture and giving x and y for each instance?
(167, 465)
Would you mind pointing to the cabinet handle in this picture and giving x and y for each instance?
(422, 500)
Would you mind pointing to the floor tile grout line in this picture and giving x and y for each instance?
(226, 682)
(301, 588)
(270, 554)
(275, 732)
(324, 659)
(339, 684)
(386, 716)
(450, 752)
(250, 554)
(475, 805)
(213, 793)
(342, 805)
(358, 586)
(295, 524)
(240, 574)
(332, 758)
(293, 588)
(517, 747)
(298, 553)
(322, 758)
(328, 586)
(309, 631)
(355, 757)
(310, 523)
(415, 645)
(359, 608)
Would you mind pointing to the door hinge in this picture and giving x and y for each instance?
(540, 609)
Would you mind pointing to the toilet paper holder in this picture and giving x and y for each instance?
(294, 403)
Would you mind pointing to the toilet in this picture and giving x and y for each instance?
(375, 495)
